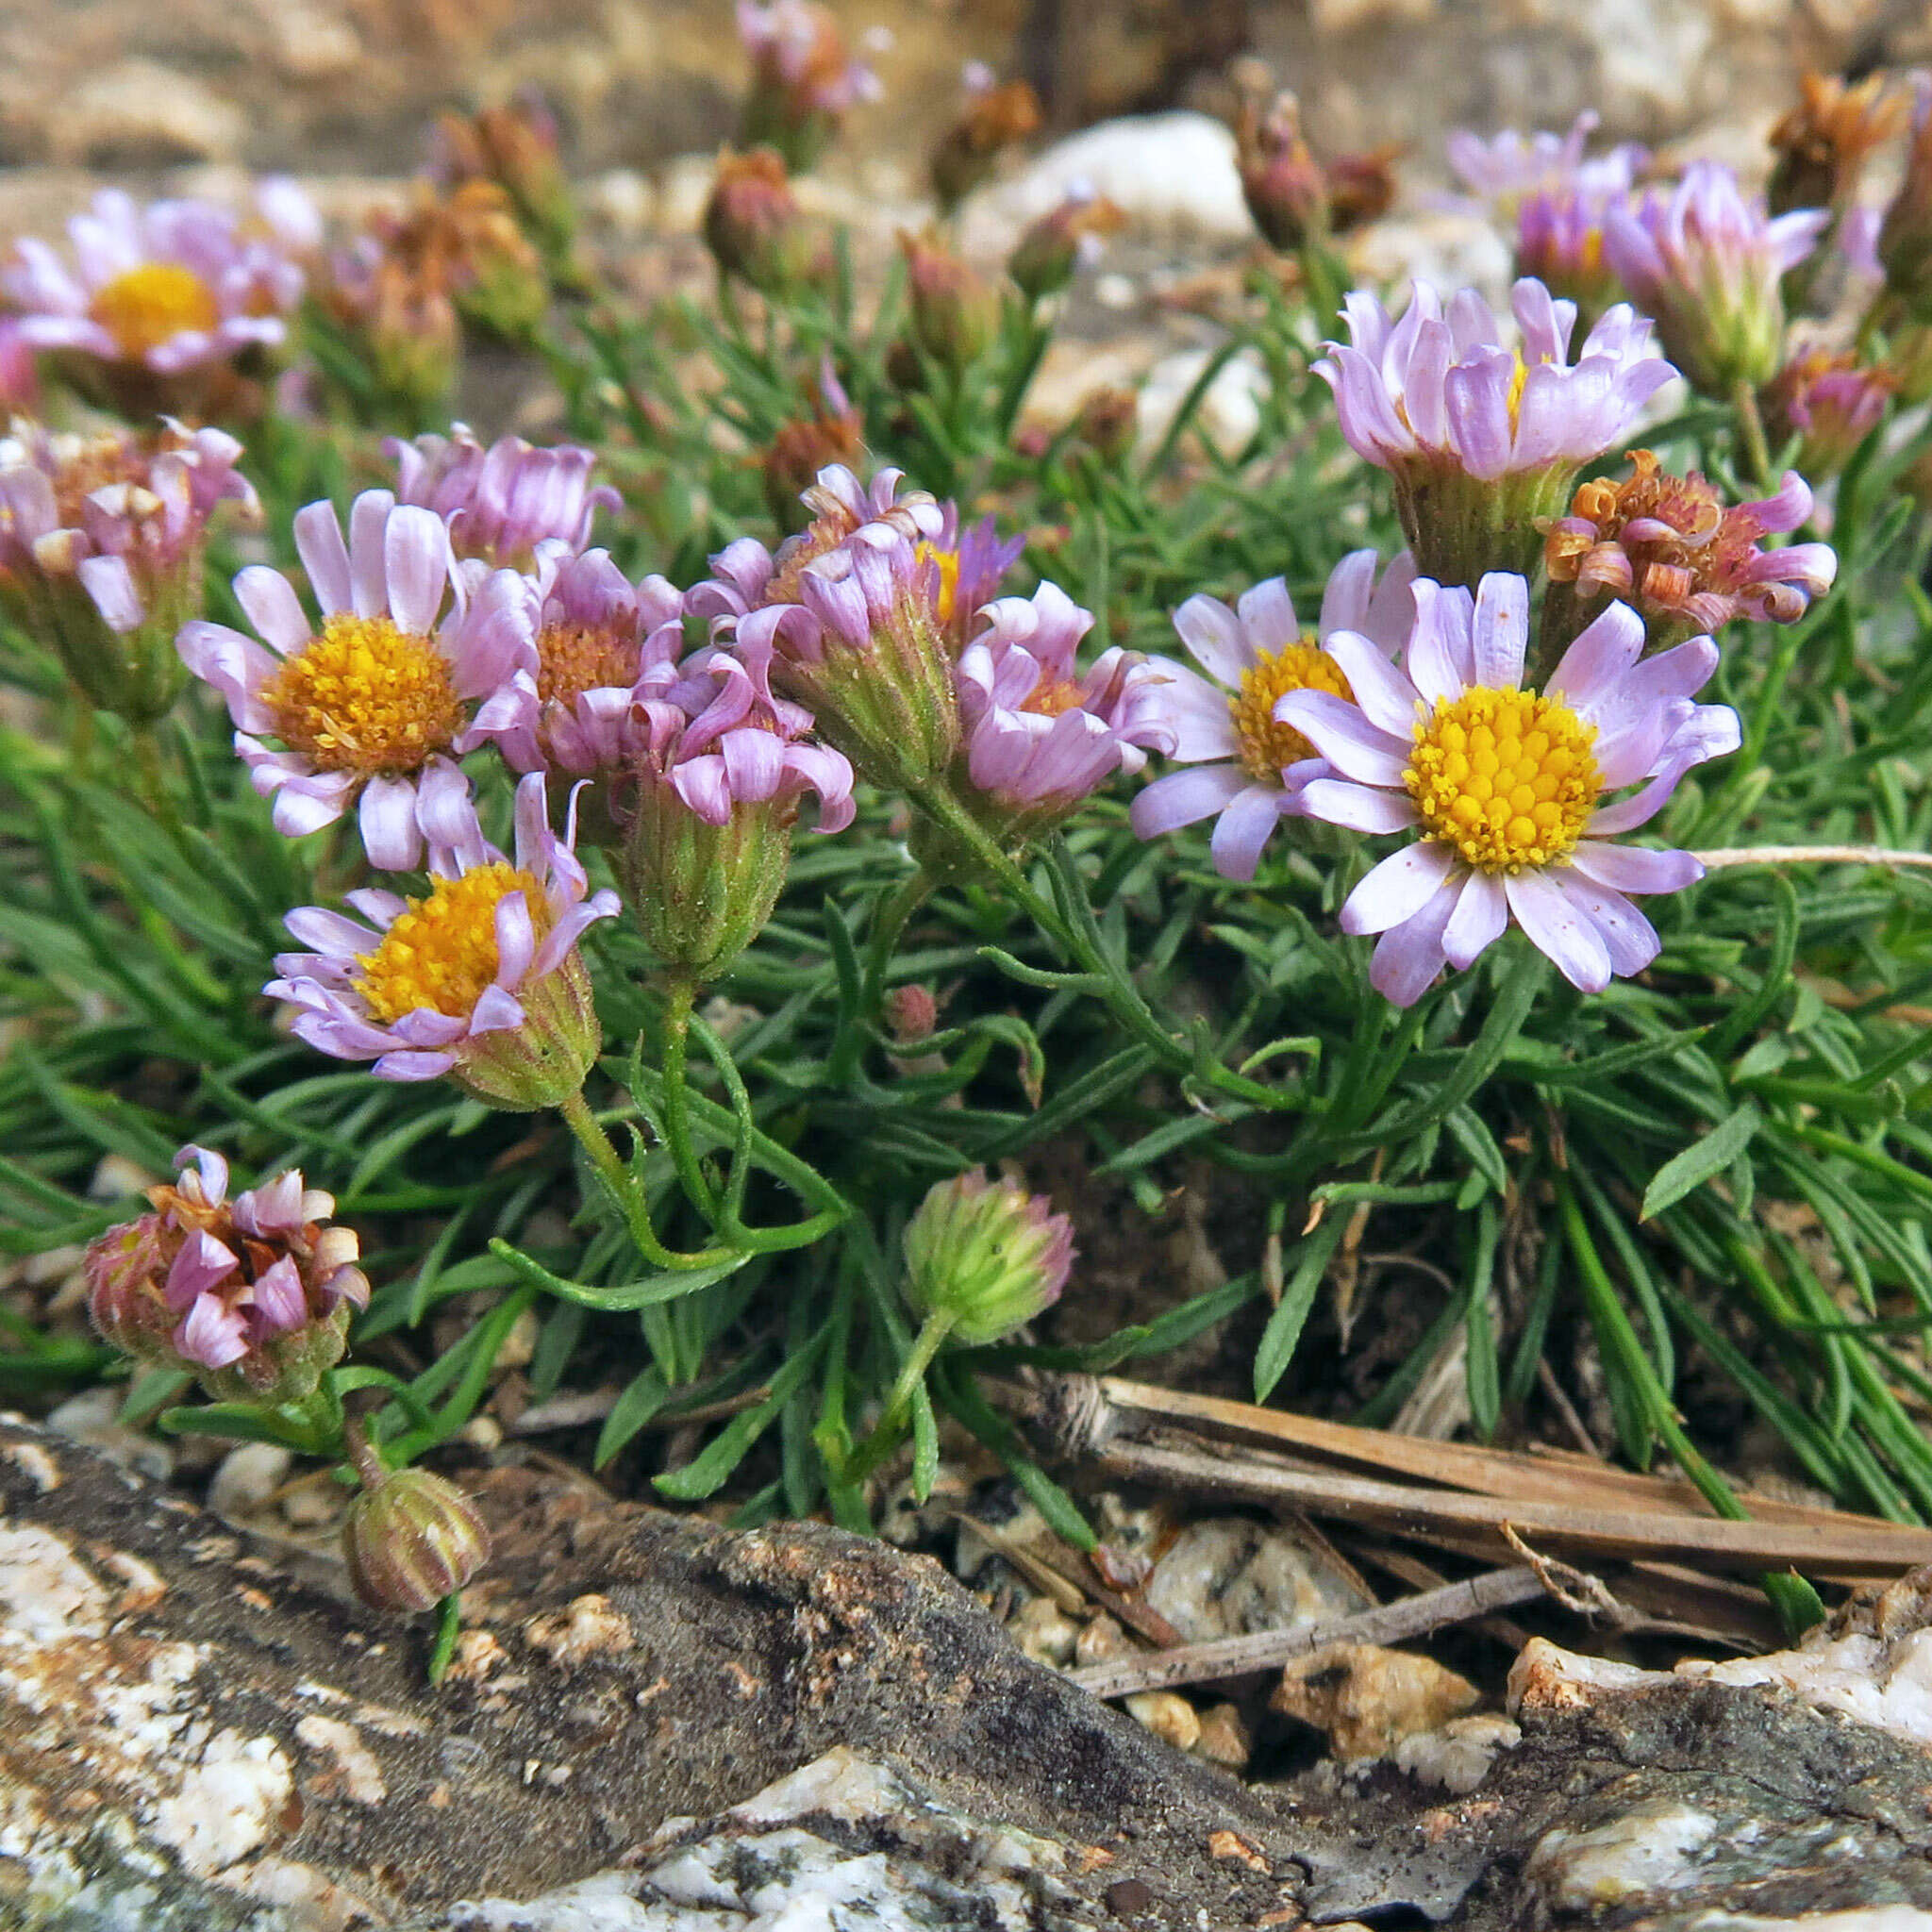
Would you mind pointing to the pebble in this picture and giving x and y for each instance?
(115, 1177)
(313, 1503)
(248, 1476)
(1457, 1757)
(1368, 1699)
(1229, 1576)
(1168, 1715)
(1223, 1737)
(89, 1419)
(1101, 1640)
(1045, 1632)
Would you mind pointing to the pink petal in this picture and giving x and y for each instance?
(1408, 956)
(1182, 797)
(1635, 868)
(1399, 887)
(1361, 808)
(1243, 830)
(1482, 912)
(1344, 737)
(1213, 633)
(325, 557)
(1560, 928)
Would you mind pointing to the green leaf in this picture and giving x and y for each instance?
(667, 1286)
(1284, 1329)
(646, 1394)
(1697, 1162)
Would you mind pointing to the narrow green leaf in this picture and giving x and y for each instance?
(1697, 1162)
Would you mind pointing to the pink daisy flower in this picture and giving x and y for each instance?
(1249, 769)
(1504, 785)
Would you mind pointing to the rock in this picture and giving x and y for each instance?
(1223, 1737)
(1229, 1576)
(140, 114)
(1173, 175)
(1043, 1633)
(91, 1418)
(1168, 1715)
(248, 1476)
(1368, 1699)
(1228, 414)
(1459, 1757)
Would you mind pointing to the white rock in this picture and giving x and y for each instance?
(89, 1419)
(1170, 175)
(1228, 1576)
(1228, 414)
(1652, 1847)
(1457, 1757)
(248, 1476)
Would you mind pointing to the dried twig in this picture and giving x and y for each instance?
(1266, 1649)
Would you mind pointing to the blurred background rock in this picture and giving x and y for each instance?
(346, 88)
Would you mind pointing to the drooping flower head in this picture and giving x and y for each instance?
(1063, 239)
(1040, 734)
(160, 299)
(802, 83)
(986, 1255)
(993, 117)
(1687, 561)
(1704, 263)
(410, 1538)
(374, 696)
(479, 979)
(1480, 437)
(706, 807)
(1502, 786)
(827, 432)
(101, 545)
(253, 1294)
(501, 502)
(1250, 768)
(590, 646)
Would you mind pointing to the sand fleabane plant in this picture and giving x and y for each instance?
(102, 540)
(356, 710)
(1482, 437)
(478, 979)
(1505, 787)
(1250, 768)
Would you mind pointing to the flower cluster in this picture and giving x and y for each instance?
(253, 1294)
(803, 82)
(502, 502)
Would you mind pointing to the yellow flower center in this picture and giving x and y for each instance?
(1053, 698)
(365, 697)
(577, 657)
(1508, 777)
(1266, 747)
(1516, 382)
(441, 952)
(145, 306)
(948, 561)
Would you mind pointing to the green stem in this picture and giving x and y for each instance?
(147, 757)
(1751, 433)
(885, 1433)
(449, 1622)
(680, 994)
(629, 1197)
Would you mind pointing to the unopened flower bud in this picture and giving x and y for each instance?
(1108, 422)
(995, 118)
(1830, 404)
(989, 1254)
(1282, 182)
(753, 225)
(911, 1014)
(1043, 260)
(803, 80)
(955, 310)
(411, 1539)
(515, 146)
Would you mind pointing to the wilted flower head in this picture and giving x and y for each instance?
(803, 79)
(480, 978)
(467, 247)
(1480, 437)
(500, 502)
(992, 119)
(1672, 548)
(1048, 251)
(1040, 734)
(101, 547)
(987, 1255)
(156, 295)
(1502, 784)
(377, 695)
(590, 646)
(831, 435)
(706, 807)
(513, 145)
(254, 1295)
(1823, 141)
(1251, 769)
(396, 320)
(1706, 264)
(410, 1538)
(1830, 402)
